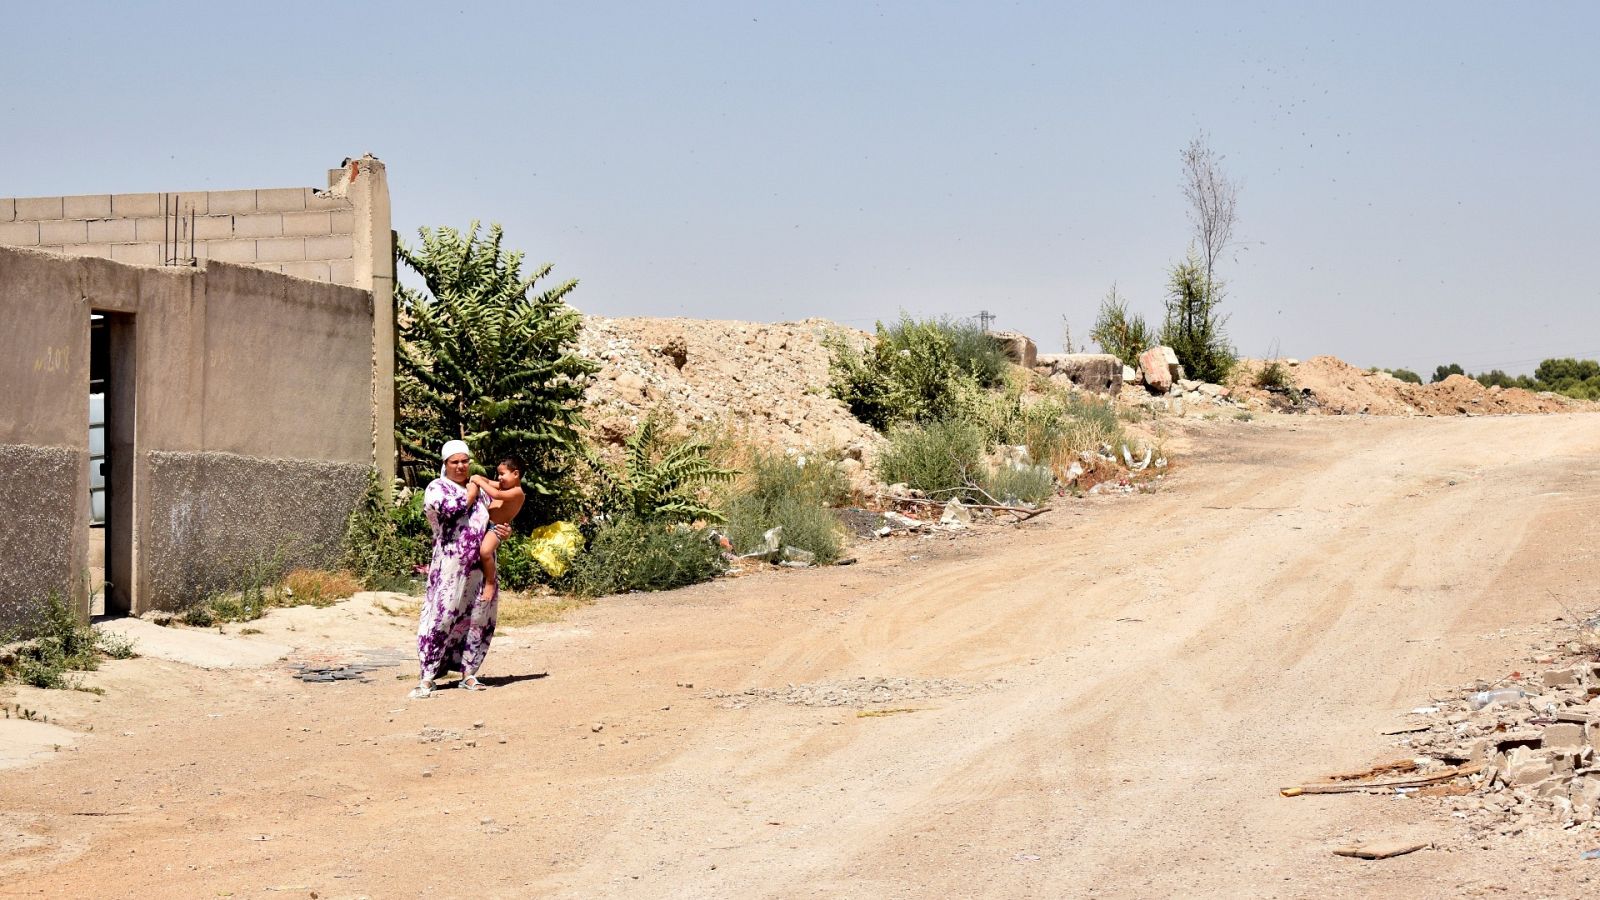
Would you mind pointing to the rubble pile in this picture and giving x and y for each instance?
(1331, 386)
(771, 380)
(1526, 745)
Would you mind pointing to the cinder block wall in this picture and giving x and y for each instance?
(252, 396)
(297, 231)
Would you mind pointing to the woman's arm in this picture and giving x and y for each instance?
(492, 489)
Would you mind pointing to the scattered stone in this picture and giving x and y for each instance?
(597, 727)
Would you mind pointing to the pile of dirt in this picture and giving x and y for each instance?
(770, 381)
(1329, 385)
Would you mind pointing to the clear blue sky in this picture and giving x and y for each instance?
(1420, 180)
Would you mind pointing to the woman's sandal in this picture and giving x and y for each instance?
(422, 691)
(471, 683)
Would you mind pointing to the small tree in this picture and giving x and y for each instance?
(658, 479)
(1443, 372)
(484, 358)
(1119, 332)
(1193, 327)
(1212, 197)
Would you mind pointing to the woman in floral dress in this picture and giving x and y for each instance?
(456, 625)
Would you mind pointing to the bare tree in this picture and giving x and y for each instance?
(1211, 195)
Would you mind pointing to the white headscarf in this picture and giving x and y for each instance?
(451, 448)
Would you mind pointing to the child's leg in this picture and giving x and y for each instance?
(491, 584)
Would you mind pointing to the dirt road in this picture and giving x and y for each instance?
(1104, 703)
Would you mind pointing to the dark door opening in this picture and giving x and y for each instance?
(111, 441)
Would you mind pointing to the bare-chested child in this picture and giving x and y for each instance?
(505, 501)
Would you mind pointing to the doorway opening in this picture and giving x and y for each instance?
(111, 441)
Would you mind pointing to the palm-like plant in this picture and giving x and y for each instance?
(484, 357)
(659, 480)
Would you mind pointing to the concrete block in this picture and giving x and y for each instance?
(210, 228)
(1562, 736)
(316, 270)
(112, 231)
(281, 199)
(36, 208)
(344, 222)
(231, 251)
(1561, 678)
(19, 234)
(88, 206)
(155, 229)
(64, 231)
(1018, 347)
(314, 223)
(137, 254)
(102, 251)
(132, 206)
(342, 271)
(262, 225)
(1099, 372)
(269, 267)
(337, 246)
(230, 202)
(8, 209)
(50, 248)
(197, 202)
(315, 200)
(281, 249)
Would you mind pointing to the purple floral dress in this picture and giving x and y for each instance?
(456, 625)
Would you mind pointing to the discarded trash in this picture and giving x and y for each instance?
(1385, 786)
(1590, 854)
(1128, 459)
(955, 515)
(1487, 698)
(554, 546)
(1425, 710)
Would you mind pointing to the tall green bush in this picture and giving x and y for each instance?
(1119, 332)
(484, 357)
(1193, 327)
(632, 555)
(915, 371)
(943, 456)
(386, 540)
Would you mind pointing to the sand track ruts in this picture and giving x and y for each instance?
(1149, 669)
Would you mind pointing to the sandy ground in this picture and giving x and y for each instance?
(1103, 702)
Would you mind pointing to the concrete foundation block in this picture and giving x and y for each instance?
(63, 232)
(1153, 366)
(133, 206)
(19, 234)
(36, 208)
(231, 251)
(137, 254)
(103, 251)
(308, 224)
(316, 270)
(1098, 372)
(335, 246)
(210, 228)
(8, 209)
(157, 229)
(261, 225)
(343, 222)
(342, 271)
(281, 199)
(112, 231)
(280, 249)
(221, 203)
(1562, 736)
(87, 206)
(1018, 347)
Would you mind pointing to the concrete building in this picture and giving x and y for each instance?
(199, 383)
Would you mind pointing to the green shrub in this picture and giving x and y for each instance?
(517, 570)
(1053, 426)
(1119, 332)
(633, 555)
(1029, 484)
(944, 457)
(385, 542)
(60, 643)
(659, 479)
(776, 491)
(1274, 376)
(914, 372)
(1406, 375)
(1193, 327)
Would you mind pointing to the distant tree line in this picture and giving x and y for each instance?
(1578, 378)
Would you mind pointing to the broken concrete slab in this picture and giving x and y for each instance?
(1018, 347)
(1157, 374)
(1381, 849)
(24, 741)
(194, 647)
(1562, 736)
(1098, 372)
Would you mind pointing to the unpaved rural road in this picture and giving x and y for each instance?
(1134, 679)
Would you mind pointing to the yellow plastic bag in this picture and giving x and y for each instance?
(554, 546)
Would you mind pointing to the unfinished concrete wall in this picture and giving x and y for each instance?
(253, 422)
(339, 235)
